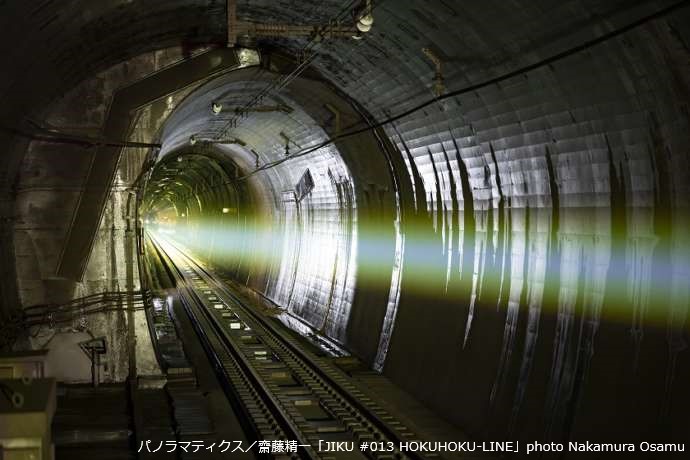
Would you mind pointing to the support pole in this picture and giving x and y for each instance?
(232, 23)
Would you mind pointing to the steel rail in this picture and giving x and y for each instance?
(336, 394)
(263, 418)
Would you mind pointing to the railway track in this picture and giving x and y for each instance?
(283, 390)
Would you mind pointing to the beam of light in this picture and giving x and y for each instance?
(630, 279)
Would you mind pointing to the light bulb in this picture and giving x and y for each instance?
(363, 27)
(367, 19)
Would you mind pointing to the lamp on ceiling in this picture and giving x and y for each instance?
(365, 20)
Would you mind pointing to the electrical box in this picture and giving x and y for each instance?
(27, 407)
(15, 365)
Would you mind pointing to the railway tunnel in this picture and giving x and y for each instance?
(446, 222)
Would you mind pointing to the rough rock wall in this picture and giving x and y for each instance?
(50, 188)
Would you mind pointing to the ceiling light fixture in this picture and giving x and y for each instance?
(363, 27)
(365, 21)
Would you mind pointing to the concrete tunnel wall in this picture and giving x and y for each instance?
(300, 250)
(542, 252)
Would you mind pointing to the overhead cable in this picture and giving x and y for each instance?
(478, 86)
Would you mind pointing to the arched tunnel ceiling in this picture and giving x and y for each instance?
(537, 261)
(280, 125)
(284, 122)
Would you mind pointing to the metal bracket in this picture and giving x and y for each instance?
(336, 115)
(93, 349)
(439, 87)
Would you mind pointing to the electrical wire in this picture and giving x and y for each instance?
(58, 137)
(101, 296)
(468, 89)
(315, 42)
(51, 314)
(475, 87)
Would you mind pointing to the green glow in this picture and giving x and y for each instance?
(615, 278)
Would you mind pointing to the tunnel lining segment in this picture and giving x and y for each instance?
(76, 251)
